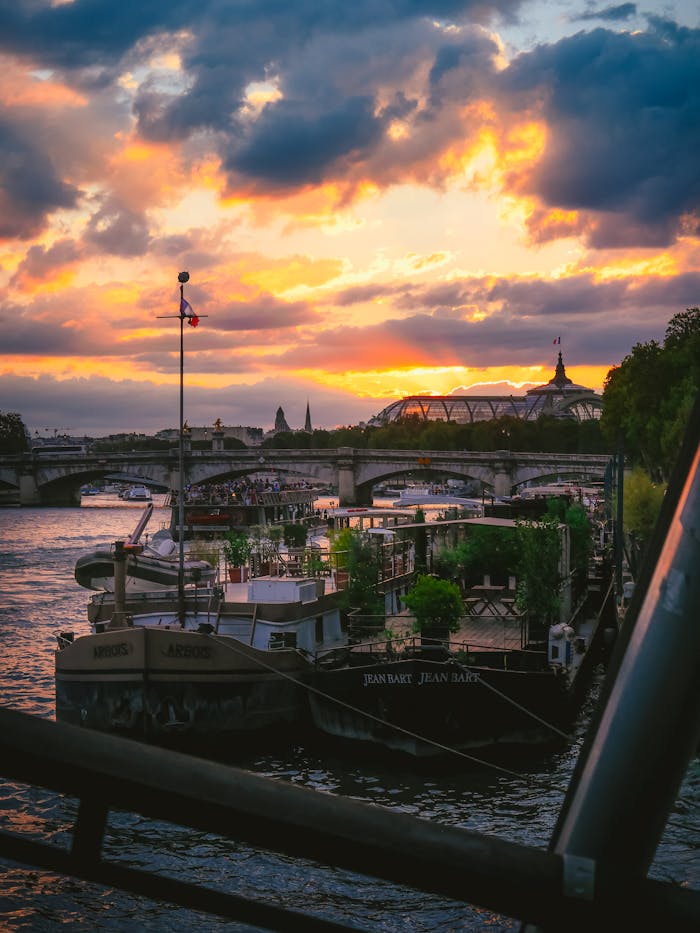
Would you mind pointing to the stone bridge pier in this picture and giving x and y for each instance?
(29, 490)
(503, 470)
(348, 491)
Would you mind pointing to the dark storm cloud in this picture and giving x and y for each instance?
(620, 12)
(289, 148)
(24, 336)
(623, 115)
(30, 187)
(622, 109)
(85, 33)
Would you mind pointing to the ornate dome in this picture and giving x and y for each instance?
(559, 397)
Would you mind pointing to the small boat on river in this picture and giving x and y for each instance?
(154, 566)
(138, 493)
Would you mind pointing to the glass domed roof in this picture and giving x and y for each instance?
(559, 397)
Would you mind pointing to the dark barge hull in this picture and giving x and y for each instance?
(165, 685)
(447, 703)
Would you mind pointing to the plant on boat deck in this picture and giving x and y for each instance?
(436, 605)
(420, 543)
(294, 534)
(314, 564)
(539, 578)
(204, 550)
(237, 548)
(361, 561)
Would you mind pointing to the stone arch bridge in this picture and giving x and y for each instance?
(353, 472)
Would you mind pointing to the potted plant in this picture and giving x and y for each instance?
(437, 608)
(237, 550)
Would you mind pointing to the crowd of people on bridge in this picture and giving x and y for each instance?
(242, 491)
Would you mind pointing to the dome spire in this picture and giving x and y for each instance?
(560, 378)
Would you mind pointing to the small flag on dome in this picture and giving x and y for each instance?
(557, 340)
(186, 311)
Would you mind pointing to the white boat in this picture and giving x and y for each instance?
(155, 566)
(432, 495)
(138, 494)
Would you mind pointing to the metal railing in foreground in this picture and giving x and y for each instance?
(107, 772)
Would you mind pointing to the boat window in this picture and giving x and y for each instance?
(319, 628)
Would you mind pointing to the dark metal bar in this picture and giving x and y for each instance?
(491, 872)
(649, 728)
(158, 887)
(89, 830)
(619, 518)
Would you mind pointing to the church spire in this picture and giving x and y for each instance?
(307, 423)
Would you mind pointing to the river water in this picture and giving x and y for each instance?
(39, 596)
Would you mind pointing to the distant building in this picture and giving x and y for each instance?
(307, 423)
(560, 397)
(280, 422)
(249, 435)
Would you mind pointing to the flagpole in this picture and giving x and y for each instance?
(182, 278)
(184, 311)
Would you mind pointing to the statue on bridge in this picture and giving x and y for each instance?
(217, 424)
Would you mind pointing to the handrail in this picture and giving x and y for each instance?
(105, 772)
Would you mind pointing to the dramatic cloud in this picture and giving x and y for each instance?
(30, 188)
(623, 130)
(371, 199)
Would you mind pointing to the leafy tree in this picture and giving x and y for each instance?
(362, 562)
(642, 503)
(420, 544)
(436, 605)
(340, 546)
(13, 433)
(580, 535)
(647, 399)
(294, 534)
(539, 579)
(487, 550)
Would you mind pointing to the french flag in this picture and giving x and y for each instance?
(557, 340)
(192, 319)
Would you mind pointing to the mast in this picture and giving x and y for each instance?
(182, 278)
(184, 311)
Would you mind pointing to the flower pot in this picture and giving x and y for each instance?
(238, 574)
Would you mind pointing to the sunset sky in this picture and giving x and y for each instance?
(372, 199)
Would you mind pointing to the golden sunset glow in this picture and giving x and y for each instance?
(367, 209)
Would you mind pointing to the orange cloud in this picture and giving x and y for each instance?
(20, 87)
(144, 175)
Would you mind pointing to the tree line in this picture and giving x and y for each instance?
(646, 403)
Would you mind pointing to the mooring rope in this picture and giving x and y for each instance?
(383, 722)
